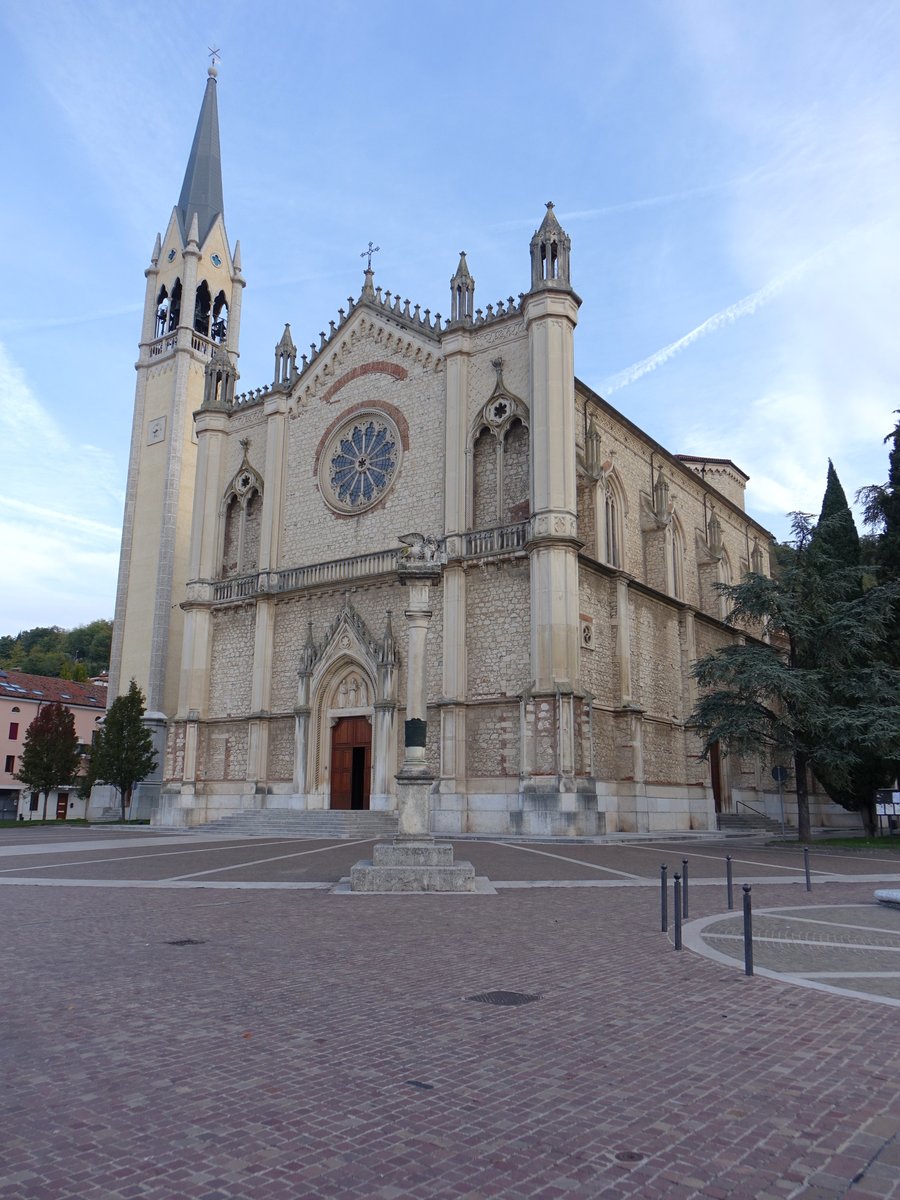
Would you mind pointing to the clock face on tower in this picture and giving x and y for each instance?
(156, 431)
(360, 462)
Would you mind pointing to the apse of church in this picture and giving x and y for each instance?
(575, 560)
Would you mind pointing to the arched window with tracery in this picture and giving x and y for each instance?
(242, 521)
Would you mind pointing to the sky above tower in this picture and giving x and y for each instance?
(729, 175)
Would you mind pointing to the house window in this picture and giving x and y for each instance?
(32, 807)
(13, 730)
(10, 764)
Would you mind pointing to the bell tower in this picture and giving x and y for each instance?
(192, 311)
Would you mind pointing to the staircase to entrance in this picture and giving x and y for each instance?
(341, 824)
(750, 822)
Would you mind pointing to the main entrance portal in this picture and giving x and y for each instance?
(351, 762)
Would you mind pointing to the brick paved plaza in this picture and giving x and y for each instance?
(312, 1044)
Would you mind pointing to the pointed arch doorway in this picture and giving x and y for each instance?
(351, 763)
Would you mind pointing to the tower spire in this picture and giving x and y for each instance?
(201, 192)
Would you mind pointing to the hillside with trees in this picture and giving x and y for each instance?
(77, 654)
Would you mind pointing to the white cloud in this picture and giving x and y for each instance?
(61, 566)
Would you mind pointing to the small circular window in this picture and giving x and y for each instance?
(360, 462)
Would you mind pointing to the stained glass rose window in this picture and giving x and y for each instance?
(361, 461)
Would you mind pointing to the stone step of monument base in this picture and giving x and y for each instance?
(411, 865)
(342, 824)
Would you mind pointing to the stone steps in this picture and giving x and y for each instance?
(341, 824)
(744, 823)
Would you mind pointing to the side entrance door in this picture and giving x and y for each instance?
(715, 774)
(62, 805)
(351, 762)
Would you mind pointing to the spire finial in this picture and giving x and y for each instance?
(367, 254)
(215, 56)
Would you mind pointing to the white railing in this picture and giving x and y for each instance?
(502, 539)
(236, 589)
(382, 562)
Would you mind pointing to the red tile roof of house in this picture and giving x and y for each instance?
(18, 685)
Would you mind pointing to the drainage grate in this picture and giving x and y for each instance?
(417, 1083)
(185, 942)
(503, 999)
(629, 1156)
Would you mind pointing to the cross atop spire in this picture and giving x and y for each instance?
(367, 254)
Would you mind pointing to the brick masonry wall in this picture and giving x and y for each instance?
(281, 750)
(223, 751)
(498, 628)
(516, 474)
(484, 477)
(492, 740)
(231, 661)
(599, 667)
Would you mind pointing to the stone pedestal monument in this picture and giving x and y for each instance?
(414, 861)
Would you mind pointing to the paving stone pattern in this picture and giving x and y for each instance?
(314, 1045)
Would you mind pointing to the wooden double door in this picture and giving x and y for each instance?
(351, 762)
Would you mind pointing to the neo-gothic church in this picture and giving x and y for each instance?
(262, 603)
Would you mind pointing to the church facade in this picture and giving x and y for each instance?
(262, 600)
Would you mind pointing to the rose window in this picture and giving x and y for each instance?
(362, 462)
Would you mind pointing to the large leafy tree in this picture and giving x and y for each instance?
(50, 755)
(48, 650)
(810, 680)
(122, 754)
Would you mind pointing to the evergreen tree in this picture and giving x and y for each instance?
(834, 543)
(50, 756)
(122, 754)
(817, 687)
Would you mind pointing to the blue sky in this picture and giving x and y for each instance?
(729, 174)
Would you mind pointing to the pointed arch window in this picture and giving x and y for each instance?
(219, 326)
(242, 524)
(162, 311)
(175, 305)
(726, 576)
(485, 482)
(202, 308)
(676, 558)
(610, 521)
(500, 457)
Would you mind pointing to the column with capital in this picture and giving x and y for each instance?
(414, 861)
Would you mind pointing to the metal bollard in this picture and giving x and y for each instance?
(677, 909)
(748, 931)
(664, 897)
(684, 888)
(806, 868)
(729, 882)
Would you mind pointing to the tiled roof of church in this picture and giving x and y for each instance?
(47, 688)
(702, 458)
(201, 192)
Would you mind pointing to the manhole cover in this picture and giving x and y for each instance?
(504, 999)
(185, 942)
(417, 1083)
(629, 1156)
